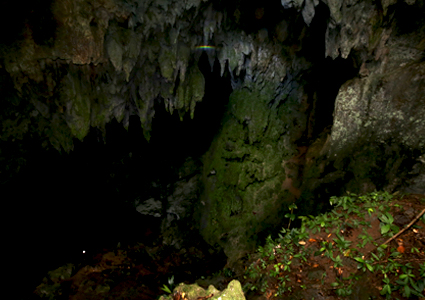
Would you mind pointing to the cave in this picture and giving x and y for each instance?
(169, 138)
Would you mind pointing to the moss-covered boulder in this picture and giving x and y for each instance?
(243, 169)
(194, 291)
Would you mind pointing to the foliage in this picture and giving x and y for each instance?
(279, 259)
(168, 289)
(387, 223)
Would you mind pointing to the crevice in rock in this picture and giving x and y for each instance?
(408, 17)
(328, 77)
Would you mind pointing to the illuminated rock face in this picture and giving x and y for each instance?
(326, 96)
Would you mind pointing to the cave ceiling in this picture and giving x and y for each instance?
(79, 64)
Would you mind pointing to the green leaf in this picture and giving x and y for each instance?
(166, 289)
(382, 247)
(386, 290)
(386, 279)
(293, 206)
(420, 295)
(385, 228)
(394, 228)
(402, 281)
(407, 291)
(395, 254)
(384, 219)
(359, 259)
(414, 285)
(370, 267)
(390, 217)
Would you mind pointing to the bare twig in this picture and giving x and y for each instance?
(399, 260)
(405, 228)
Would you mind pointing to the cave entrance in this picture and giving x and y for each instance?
(85, 199)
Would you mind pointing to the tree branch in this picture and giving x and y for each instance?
(405, 228)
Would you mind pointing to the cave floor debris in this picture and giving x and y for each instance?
(136, 271)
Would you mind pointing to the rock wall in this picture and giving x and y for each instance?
(243, 169)
(377, 135)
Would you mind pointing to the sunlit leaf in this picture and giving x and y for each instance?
(166, 289)
(359, 259)
(390, 217)
(385, 228)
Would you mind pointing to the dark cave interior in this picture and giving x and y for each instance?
(98, 181)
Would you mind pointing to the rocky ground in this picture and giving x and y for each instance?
(134, 272)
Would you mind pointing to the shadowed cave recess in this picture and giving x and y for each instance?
(179, 132)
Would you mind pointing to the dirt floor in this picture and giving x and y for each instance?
(135, 272)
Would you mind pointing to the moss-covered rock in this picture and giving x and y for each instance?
(194, 291)
(243, 170)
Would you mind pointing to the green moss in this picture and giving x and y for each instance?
(250, 108)
(243, 170)
(194, 291)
